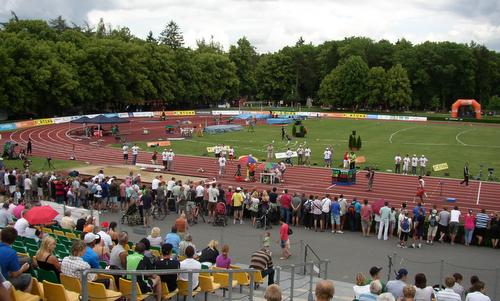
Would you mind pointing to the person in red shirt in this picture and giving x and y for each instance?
(284, 240)
(366, 218)
(285, 202)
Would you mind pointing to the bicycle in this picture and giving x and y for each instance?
(159, 211)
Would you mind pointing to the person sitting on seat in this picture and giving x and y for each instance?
(11, 268)
(190, 264)
(261, 260)
(166, 263)
(136, 262)
(45, 256)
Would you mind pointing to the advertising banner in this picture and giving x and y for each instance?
(283, 155)
(226, 112)
(44, 121)
(439, 167)
(7, 126)
(210, 149)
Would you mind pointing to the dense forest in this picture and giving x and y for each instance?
(56, 68)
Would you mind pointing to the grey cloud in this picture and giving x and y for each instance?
(71, 10)
(488, 10)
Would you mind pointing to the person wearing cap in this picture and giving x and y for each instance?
(414, 164)
(237, 201)
(105, 237)
(423, 163)
(395, 287)
(90, 256)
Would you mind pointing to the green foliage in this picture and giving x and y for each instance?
(172, 36)
(103, 67)
(494, 103)
(346, 85)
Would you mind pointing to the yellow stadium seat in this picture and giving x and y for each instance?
(223, 280)
(207, 285)
(165, 293)
(126, 289)
(36, 288)
(71, 283)
(98, 292)
(182, 288)
(56, 292)
(58, 232)
(46, 230)
(16, 295)
(70, 235)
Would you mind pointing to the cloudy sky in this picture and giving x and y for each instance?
(272, 24)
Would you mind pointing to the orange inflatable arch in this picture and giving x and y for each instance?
(466, 102)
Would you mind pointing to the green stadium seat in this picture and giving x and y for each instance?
(50, 276)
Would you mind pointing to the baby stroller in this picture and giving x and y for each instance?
(132, 216)
(220, 215)
(263, 219)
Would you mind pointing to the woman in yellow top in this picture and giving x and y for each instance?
(237, 199)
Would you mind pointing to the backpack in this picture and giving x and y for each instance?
(432, 220)
(351, 210)
(307, 206)
(405, 225)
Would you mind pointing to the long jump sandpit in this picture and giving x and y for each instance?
(122, 171)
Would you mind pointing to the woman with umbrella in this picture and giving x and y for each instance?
(250, 162)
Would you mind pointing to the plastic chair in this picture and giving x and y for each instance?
(71, 283)
(182, 288)
(242, 278)
(44, 275)
(36, 288)
(16, 295)
(207, 285)
(46, 230)
(223, 280)
(70, 235)
(31, 241)
(257, 278)
(165, 293)
(19, 249)
(58, 233)
(98, 292)
(126, 289)
(56, 292)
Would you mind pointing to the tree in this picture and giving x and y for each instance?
(245, 58)
(151, 39)
(346, 84)
(494, 103)
(377, 87)
(398, 88)
(172, 36)
(58, 24)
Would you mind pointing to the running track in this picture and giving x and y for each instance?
(53, 140)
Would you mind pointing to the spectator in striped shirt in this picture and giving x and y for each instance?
(261, 260)
(482, 221)
(448, 294)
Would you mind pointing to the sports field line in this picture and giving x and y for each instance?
(460, 134)
(399, 131)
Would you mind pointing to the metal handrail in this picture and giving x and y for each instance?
(190, 272)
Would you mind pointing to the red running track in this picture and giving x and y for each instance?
(53, 140)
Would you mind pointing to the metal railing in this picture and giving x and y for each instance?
(134, 274)
(437, 270)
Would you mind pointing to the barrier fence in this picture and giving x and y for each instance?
(436, 270)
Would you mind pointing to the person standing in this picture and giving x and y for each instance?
(406, 164)
(433, 220)
(482, 223)
(326, 203)
(352, 160)
(283, 134)
(231, 153)
(213, 194)
(454, 222)
(346, 160)
(469, 224)
(164, 158)
(335, 213)
(125, 153)
(135, 153)
(284, 240)
(420, 190)
(371, 176)
(385, 214)
(423, 163)
(366, 218)
(397, 162)
(414, 165)
(300, 155)
(222, 166)
(466, 174)
(29, 147)
(270, 153)
(405, 228)
(170, 160)
(307, 156)
(327, 156)
(444, 220)
(289, 154)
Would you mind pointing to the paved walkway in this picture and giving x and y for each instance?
(349, 253)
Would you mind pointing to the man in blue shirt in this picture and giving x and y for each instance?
(335, 212)
(9, 262)
(174, 239)
(90, 256)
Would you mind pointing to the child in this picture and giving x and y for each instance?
(266, 241)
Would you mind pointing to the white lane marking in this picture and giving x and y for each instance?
(399, 131)
(460, 134)
(479, 193)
